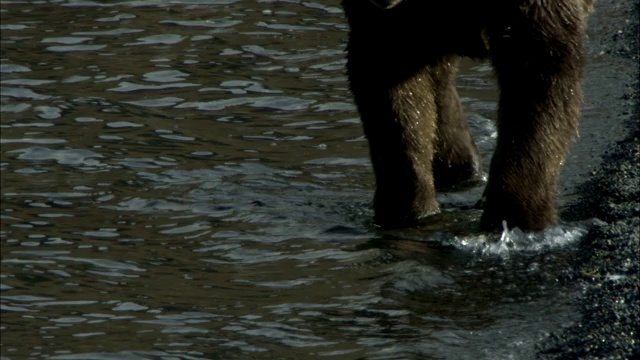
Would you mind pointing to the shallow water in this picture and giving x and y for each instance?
(190, 180)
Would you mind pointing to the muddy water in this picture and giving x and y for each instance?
(190, 181)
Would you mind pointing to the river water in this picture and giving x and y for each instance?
(189, 180)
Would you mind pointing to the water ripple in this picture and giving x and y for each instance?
(156, 103)
(27, 82)
(6, 68)
(111, 32)
(126, 87)
(22, 93)
(285, 103)
(67, 40)
(163, 39)
(75, 48)
(213, 23)
(65, 157)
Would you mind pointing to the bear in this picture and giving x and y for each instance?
(402, 58)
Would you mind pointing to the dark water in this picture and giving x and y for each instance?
(189, 180)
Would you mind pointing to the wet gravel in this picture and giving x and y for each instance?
(608, 263)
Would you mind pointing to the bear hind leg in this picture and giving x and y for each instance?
(456, 157)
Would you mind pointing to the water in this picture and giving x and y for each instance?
(189, 180)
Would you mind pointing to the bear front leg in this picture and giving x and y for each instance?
(538, 55)
(456, 156)
(400, 128)
(397, 108)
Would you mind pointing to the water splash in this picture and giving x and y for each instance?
(517, 241)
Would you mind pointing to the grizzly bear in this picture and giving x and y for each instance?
(401, 65)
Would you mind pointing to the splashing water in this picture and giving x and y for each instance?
(517, 241)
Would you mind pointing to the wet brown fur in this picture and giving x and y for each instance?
(401, 62)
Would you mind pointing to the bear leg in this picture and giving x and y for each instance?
(398, 113)
(456, 156)
(538, 54)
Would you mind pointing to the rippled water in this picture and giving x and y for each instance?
(189, 180)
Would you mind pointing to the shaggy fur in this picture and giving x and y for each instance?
(401, 62)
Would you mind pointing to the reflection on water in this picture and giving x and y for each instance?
(189, 180)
